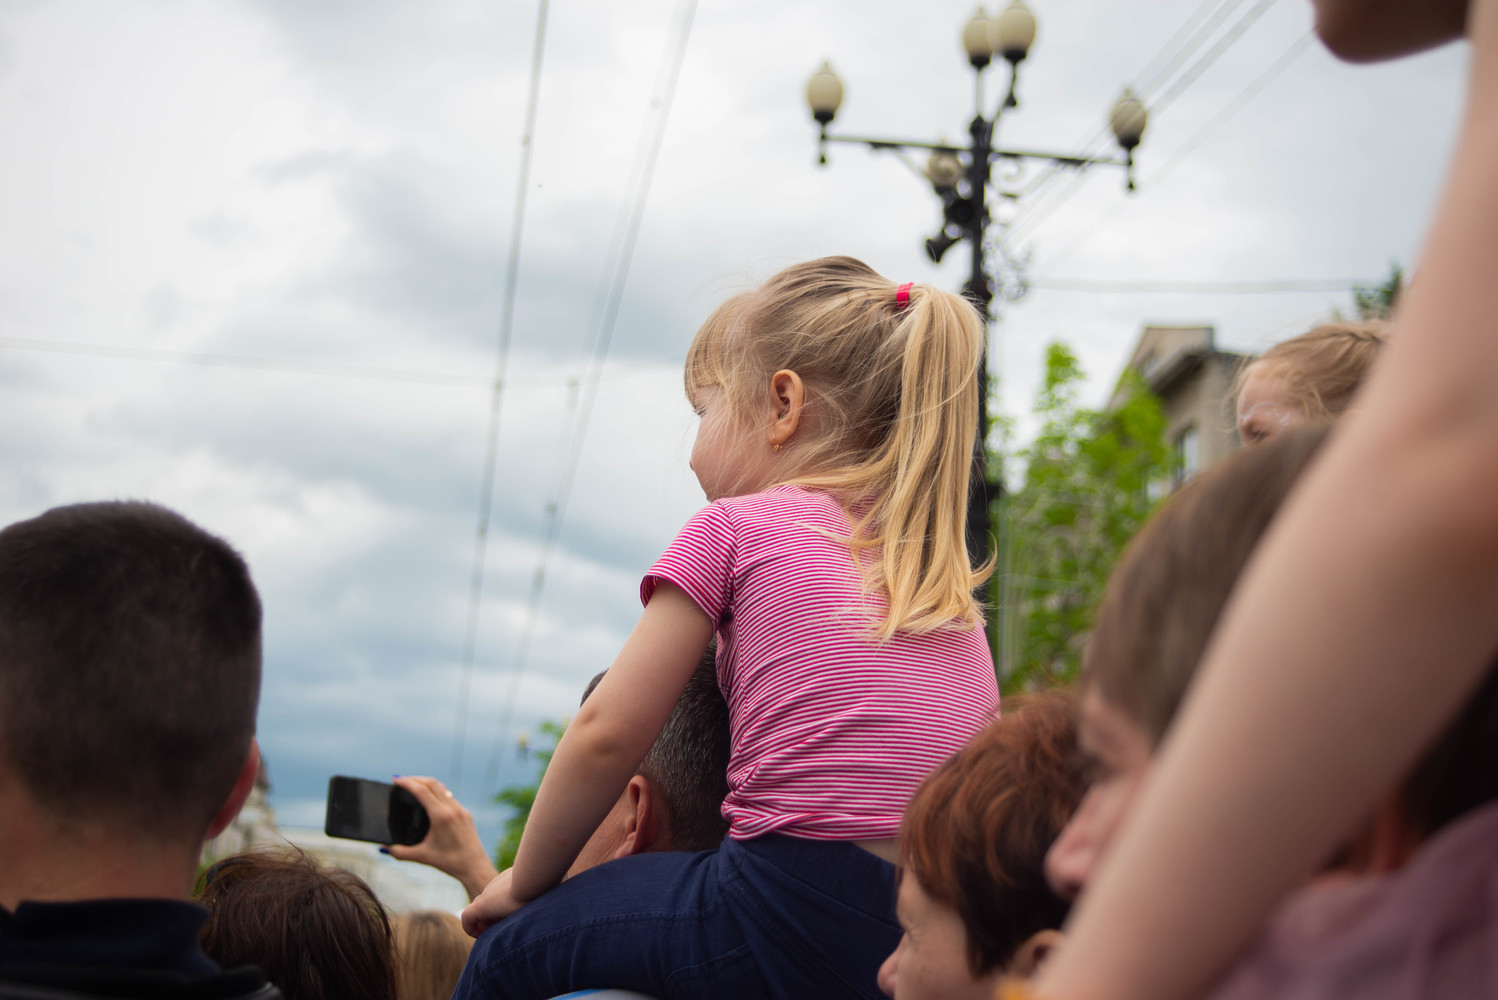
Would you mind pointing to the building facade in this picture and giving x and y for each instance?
(1194, 380)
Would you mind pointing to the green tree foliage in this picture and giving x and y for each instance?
(1090, 479)
(520, 798)
(1378, 301)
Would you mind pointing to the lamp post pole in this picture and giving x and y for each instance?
(961, 177)
(978, 290)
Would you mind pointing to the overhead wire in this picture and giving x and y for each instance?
(368, 373)
(1225, 42)
(289, 366)
(1150, 77)
(1266, 287)
(491, 446)
(1160, 102)
(1190, 145)
(1186, 40)
(628, 237)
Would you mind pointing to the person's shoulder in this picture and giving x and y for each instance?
(72, 983)
(781, 501)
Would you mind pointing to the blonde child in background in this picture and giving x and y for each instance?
(1306, 379)
(837, 418)
(430, 952)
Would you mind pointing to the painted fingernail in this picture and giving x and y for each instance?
(384, 850)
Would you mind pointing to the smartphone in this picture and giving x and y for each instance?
(374, 811)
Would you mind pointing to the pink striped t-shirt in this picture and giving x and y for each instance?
(831, 731)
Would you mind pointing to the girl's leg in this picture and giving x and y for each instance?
(656, 923)
(818, 915)
(773, 917)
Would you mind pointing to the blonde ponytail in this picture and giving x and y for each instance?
(892, 412)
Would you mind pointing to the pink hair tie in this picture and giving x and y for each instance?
(902, 295)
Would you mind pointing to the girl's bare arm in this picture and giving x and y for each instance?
(1368, 614)
(609, 737)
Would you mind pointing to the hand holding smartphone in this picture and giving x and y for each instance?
(359, 809)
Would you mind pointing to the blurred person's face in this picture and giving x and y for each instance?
(1371, 30)
(1119, 750)
(1266, 406)
(931, 962)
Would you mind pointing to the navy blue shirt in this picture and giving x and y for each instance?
(156, 935)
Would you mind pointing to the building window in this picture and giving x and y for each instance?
(1188, 454)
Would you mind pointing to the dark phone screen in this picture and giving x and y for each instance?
(375, 811)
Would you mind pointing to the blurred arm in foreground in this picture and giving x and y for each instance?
(1364, 621)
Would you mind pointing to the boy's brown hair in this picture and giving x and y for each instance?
(976, 832)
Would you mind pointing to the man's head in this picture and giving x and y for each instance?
(129, 670)
(675, 800)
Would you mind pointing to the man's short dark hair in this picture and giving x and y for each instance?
(129, 666)
(689, 762)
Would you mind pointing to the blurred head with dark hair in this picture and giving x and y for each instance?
(318, 933)
(675, 800)
(974, 900)
(430, 952)
(129, 679)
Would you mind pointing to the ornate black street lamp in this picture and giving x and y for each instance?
(962, 176)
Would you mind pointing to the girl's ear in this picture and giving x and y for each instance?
(788, 400)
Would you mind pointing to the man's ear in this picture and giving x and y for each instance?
(1028, 957)
(243, 785)
(646, 828)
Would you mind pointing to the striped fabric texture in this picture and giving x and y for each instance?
(831, 730)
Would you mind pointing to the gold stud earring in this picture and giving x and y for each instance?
(775, 447)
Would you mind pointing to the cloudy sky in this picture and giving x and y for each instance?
(252, 259)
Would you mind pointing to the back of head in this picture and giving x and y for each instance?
(1170, 585)
(1323, 368)
(430, 952)
(129, 667)
(977, 830)
(317, 933)
(890, 420)
(688, 762)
